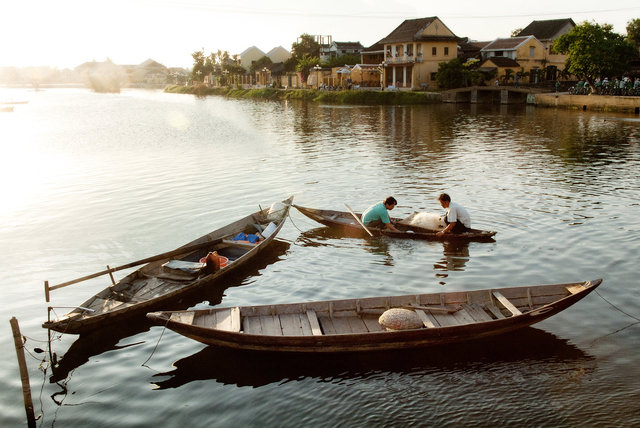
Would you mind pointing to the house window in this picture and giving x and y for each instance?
(433, 76)
(532, 51)
(434, 51)
(446, 51)
(498, 53)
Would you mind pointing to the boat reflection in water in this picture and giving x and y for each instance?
(107, 339)
(519, 350)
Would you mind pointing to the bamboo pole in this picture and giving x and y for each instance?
(168, 254)
(24, 374)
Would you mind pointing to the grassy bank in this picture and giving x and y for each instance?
(328, 97)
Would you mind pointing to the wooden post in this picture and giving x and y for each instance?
(24, 374)
(46, 291)
(113, 281)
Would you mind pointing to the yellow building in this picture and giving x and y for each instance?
(548, 31)
(518, 54)
(414, 50)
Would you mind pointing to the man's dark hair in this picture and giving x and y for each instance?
(390, 201)
(444, 197)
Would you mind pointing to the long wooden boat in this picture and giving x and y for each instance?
(352, 325)
(169, 275)
(345, 219)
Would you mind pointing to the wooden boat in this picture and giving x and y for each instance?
(169, 275)
(346, 220)
(352, 325)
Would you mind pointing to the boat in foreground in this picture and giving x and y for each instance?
(345, 219)
(353, 325)
(172, 274)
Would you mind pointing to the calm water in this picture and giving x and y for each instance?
(92, 179)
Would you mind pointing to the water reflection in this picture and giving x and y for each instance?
(455, 257)
(464, 361)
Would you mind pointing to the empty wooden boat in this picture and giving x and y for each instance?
(352, 325)
(169, 275)
(346, 220)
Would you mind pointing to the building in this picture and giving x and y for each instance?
(278, 55)
(249, 56)
(524, 54)
(338, 49)
(414, 50)
(547, 32)
(374, 54)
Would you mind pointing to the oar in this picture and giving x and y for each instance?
(178, 251)
(358, 220)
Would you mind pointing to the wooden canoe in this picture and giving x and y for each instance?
(346, 220)
(169, 275)
(352, 325)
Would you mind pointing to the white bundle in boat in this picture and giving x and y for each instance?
(429, 221)
(399, 319)
(274, 211)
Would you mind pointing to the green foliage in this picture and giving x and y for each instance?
(455, 74)
(258, 65)
(633, 32)
(515, 32)
(198, 70)
(305, 46)
(305, 64)
(594, 50)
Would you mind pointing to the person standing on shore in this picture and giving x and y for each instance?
(377, 215)
(457, 218)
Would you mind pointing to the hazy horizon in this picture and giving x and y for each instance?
(68, 33)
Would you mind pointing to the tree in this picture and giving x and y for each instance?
(198, 70)
(339, 61)
(305, 64)
(258, 65)
(450, 74)
(594, 50)
(633, 32)
(515, 32)
(305, 46)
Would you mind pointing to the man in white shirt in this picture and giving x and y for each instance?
(457, 218)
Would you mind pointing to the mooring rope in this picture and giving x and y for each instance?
(156, 347)
(615, 307)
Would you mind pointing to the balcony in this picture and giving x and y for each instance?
(403, 59)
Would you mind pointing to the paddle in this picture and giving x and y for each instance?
(358, 220)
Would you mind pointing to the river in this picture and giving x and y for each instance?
(94, 179)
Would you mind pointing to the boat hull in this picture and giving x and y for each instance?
(349, 325)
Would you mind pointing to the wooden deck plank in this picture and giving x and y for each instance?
(313, 323)
(236, 325)
(205, 319)
(464, 317)
(371, 321)
(270, 325)
(290, 324)
(305, 326)
(477, 312)
(506, 303)
(327, 324)
(495, 311)
(573, 289)
(341, 325)
(445, 320)
(425, 319)
(252, 325)
(183, 317)
(357, 325)
(223, 319)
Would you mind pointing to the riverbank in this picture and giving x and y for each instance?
(331, 97)
(589, 102)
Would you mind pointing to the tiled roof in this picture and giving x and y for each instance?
(505, 44)
(503, 61)
(374, 48)
(348, 45)
(408, 31)
(545, 30)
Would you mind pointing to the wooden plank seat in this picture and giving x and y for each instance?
(313, 323)
(506, 303)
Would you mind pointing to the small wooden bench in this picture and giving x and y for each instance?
(506, 303)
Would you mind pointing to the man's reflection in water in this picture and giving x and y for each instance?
(455, 257)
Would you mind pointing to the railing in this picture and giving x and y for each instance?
(404, 59)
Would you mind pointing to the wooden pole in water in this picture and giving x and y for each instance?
(24, 374)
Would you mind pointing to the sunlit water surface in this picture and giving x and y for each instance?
(93, 179)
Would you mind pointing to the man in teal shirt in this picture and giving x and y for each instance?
(377, 215)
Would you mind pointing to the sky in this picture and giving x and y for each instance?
(66, 33)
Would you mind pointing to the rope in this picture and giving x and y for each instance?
(615, 307)
(294, 225)
(155, 347)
